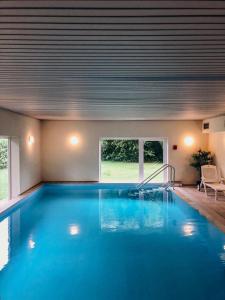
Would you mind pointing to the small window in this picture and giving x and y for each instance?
(205, 125)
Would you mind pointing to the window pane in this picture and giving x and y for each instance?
(3, 169)
(119, 161)
(153, 159)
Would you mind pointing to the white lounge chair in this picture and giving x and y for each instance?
(212, 179)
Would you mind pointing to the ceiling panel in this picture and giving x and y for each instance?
(109, 60)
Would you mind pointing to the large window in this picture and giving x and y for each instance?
(119, 160)
(131, 160)
(4, 168)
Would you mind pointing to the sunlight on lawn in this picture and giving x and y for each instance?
(127, 172)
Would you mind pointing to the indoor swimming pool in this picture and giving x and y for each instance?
(93, 242)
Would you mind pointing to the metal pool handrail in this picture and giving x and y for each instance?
(156, 173)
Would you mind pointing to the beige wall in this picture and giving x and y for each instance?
(20, 128)
(62, 161)
(217, 146)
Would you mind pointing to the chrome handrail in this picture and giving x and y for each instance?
(171, 180)
(152, 174)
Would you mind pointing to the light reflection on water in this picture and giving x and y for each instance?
(188, 229)
(31, 243)
(74, 229)
(4, 243)
(121, 215)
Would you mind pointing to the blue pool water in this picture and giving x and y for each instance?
(93, 242)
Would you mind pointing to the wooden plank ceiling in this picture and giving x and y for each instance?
(106, 60)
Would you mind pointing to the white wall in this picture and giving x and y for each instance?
(62, 161)
(217, 146)
(20, 128)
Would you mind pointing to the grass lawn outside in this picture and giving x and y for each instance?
(127, 172)
(3, 184)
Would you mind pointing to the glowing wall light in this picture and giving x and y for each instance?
(74, 140)
(188, 141)
(30, 140)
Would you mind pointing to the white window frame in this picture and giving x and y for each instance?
(141, 141)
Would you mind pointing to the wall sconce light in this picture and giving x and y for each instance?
(189, 141)
(74, 140)
(30, 140)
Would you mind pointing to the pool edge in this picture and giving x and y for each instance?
(6, 206)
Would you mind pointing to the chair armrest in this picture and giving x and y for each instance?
(222, 179)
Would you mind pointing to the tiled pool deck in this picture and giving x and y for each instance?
(213, 210)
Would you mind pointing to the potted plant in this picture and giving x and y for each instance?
(199, 159)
